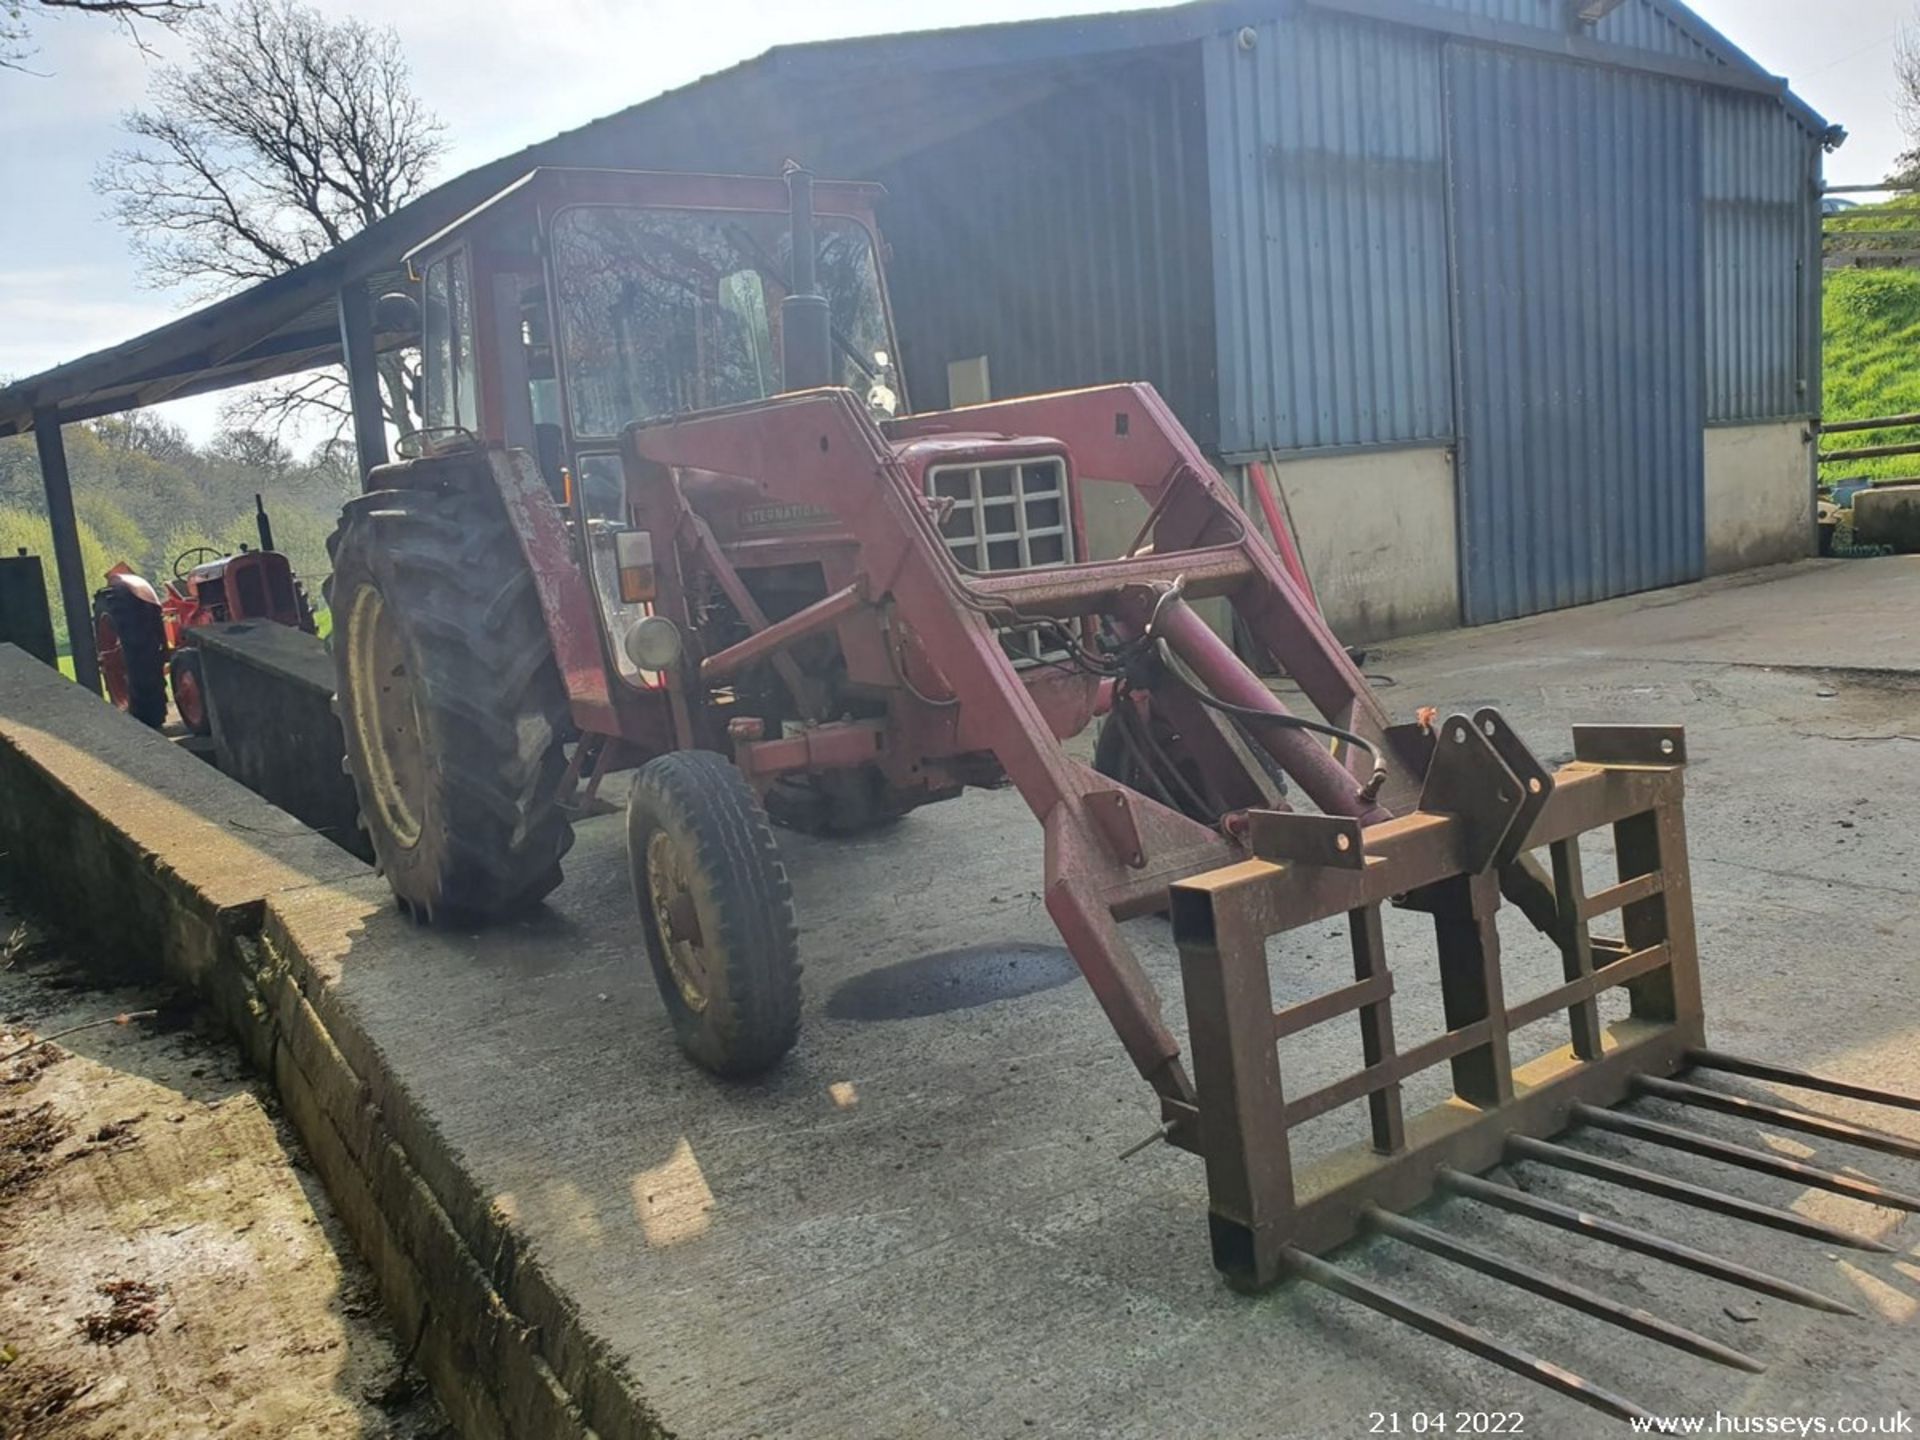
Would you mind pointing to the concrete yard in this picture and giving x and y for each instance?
(920, 1227)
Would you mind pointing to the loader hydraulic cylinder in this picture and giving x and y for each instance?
(1329, 784)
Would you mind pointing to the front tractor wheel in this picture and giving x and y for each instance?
(450, 704)
(188, 679)
(716, 911)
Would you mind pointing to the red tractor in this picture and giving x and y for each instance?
(143, 637)
(670, 514)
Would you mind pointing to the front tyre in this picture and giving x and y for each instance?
(716, 911)
(188, 679)
(450, 704)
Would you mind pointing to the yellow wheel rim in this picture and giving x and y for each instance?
(385, 717)
(670, 888)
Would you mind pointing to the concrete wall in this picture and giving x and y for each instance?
(166, 866)
(1759, 495)
(1888, 515)
(1378, 533)
(1379, 530)
(270, 698)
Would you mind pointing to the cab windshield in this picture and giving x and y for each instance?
(666, 311)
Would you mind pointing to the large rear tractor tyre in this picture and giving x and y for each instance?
(450, 704)
(130, 639)
(716, 911)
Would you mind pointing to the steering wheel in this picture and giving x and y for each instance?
(187, 559)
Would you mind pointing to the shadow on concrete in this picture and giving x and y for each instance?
(947, 980)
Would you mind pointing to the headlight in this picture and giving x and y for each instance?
(654, 644)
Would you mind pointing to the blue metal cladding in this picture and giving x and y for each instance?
(1578, 274)
(1066, 241)
(1762, 219)
(1636, 25)
(1328, 176)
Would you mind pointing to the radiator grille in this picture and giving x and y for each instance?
(253, 594)
(1008, 516)
(280, 584)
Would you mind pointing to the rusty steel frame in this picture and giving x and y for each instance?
(1439, 859)
(1484, 805)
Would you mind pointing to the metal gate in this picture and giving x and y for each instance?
(1580, 378)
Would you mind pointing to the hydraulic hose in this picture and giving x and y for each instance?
(1218, 678)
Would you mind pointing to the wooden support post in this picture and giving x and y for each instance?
(363, 377)
(75, 593)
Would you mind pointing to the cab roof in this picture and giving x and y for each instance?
(556, 185)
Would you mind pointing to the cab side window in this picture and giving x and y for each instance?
(446, 343)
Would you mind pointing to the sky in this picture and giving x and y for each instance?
(503, 75)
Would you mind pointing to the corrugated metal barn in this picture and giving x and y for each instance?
(1519, 298)
(1524, 305)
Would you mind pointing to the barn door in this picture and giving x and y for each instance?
(1580, 379)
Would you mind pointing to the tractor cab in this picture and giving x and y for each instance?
(578, 302)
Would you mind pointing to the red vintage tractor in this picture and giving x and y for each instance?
(670, 513)
(144, 637)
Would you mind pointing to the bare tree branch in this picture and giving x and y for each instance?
(286, 134)
(271, 409)
(15, 24)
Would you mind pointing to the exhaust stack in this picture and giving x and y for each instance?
(806, 325)
(261, 522)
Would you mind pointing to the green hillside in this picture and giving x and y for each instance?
(1871, 335)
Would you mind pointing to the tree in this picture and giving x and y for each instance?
(253, 451)
(141, 432)
(1906, 103)
(286, 134)
(16, 20)
(22, 529)
(145, 492)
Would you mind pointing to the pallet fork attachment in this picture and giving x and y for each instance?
(1485, 804)
(1442, 820)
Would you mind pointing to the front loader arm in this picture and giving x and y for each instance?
(1112, 851)
(1126, 434)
